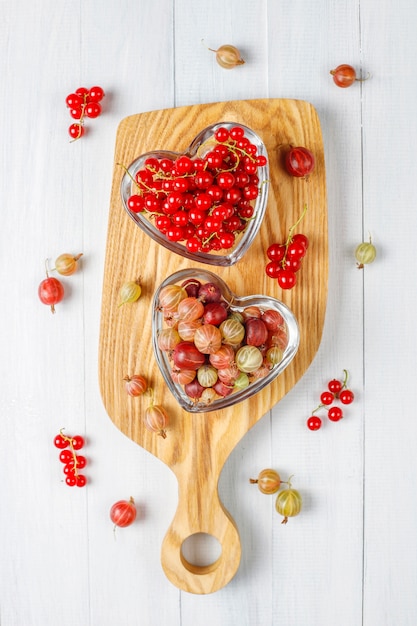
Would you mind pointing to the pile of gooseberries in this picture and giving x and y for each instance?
(51, 290)
(204, 202)
(214, 349)
(81, 104)
(72, 462)
(336, 390)
(288, 502)
(285, 259)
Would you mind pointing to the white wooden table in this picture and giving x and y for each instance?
(350, 557)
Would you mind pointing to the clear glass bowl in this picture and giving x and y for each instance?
(236, 304)
(196, 148)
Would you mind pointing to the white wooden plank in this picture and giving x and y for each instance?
(322, 548)
(390, 335)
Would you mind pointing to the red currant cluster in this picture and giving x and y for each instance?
(336, 390)
(285, 259)
(71, 460)
(206, 201)
(83, 103)
(51, 290)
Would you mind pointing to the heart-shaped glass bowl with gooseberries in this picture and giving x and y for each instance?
(214, 348)
(206, 203)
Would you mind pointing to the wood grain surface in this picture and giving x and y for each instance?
(197, 446)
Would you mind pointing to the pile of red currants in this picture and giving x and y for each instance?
(72, 461)
(204, 202)
(336, 390)
(83, 103)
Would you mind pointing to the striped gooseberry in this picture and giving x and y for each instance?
(288, 503)
(268, 481)
(123, 513)
(135, 385)
(207, 339)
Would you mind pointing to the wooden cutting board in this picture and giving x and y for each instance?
(197, 445)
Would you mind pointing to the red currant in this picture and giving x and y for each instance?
(71, 480)
(286, 278)
(326, 397)
(314, 422)
(136, 203)
(296, 250)
(66, 456)
(77, 442)
(273, 268)
(76, 131)
(61, 442)
(73, 100)
(92, 109)
(261, 160)
(300, 238)
(276, 252)
(221, 134)
(227, 240)
(225, 180)
(335, 385)
(95, 94)
(335, 413)
(81, 480)
(346, 396)
(236, 132)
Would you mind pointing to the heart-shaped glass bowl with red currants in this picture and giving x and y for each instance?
(213, 348)
(207, 203)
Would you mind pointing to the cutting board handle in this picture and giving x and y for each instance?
(198, 513)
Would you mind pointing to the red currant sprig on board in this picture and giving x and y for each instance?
(72, 461)
(336, 390)
(285, 258)
(83, 103)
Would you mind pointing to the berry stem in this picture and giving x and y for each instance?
(74, 455)
(291, 233)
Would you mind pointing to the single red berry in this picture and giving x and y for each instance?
(71, 480)
(335, 413)
(286, 279)
(326, 397)
(92, 109)
(80, 480)
(300, 238)
(95, 94)
(73, 100)
(335, 386)
(276, 251)
(61, 442)
(66, 456)
(273, 268)
(77, 442)
(314, 422)
(76, 131)
(346, 396)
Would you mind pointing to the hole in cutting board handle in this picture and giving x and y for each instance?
(200, 553)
